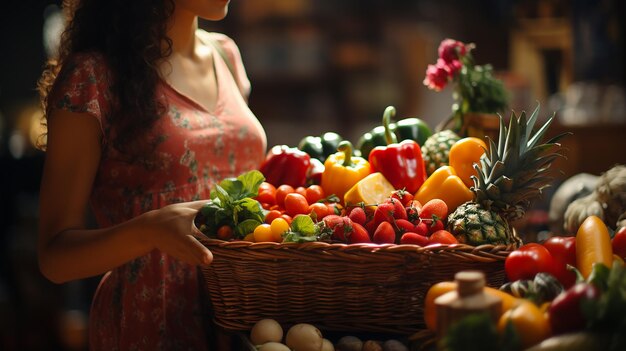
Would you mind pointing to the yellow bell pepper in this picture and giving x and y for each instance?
(446, 185)
(342, 170)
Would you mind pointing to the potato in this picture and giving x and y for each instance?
(327, 345)
(304, 337)
(266, 330)
(273, 346)
(371, 345)
(394, 345)
(349, 343)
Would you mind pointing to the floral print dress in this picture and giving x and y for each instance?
(155, 302)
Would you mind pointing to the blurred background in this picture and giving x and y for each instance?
(318, 66)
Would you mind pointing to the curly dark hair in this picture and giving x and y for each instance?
(132, 38)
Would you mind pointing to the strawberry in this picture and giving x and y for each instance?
(414, 238)
(434, 209)
(443, 237)
(339, 226)
(357, 215)
(403, 196)
(384, 234)
(435, 226)
(371, 227)
(358, 234)
(421, 228)
(384, 213)
(413, 211)
(399, 211)
(404, 225)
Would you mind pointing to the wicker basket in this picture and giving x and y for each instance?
(338, 287)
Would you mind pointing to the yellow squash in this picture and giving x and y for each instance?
(593, 245)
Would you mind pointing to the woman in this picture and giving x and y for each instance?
(143, 117)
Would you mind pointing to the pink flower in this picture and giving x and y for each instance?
(437, 76)
(450, 50)
(454, 67)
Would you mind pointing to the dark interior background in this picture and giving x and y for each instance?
(319, 66)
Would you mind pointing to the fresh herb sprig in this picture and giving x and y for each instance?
(232, 203)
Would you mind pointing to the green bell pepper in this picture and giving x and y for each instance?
(404, 129)
(320, 147)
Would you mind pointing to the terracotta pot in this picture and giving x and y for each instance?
(480, 125)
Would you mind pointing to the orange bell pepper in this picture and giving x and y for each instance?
(342, 170)
(446, 185)
(593, 245)
(463, 154)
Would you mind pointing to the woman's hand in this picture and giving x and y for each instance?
(171, 229)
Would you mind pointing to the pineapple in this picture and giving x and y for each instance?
(436, 149)
(511, 175)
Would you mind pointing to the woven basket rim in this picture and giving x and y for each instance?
(498, 250)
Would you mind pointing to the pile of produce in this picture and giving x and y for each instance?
(567, 293)
(402, 185)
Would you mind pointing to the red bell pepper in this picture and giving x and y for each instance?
(566, 311)
(563, 251)
(286, 165)
(401, 163)
(618, 243)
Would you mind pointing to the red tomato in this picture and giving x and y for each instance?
(563, 251)
(267, 193)
(272, 215)
(527, 261)
(281, 192)
(314, 193)
(301, 190)
(225, 232)
(619, 243)
(286, 217)
(296, 204)
(320, 210)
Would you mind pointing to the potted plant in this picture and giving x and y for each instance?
(478, 95)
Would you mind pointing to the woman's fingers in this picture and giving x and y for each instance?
(196, 205)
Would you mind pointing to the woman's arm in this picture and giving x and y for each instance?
(67, 250)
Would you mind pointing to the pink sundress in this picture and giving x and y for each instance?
(154, 302)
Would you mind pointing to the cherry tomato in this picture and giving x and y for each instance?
(619, 243)
(263, 233)
(286, 217)
(527, 261)
(281, 192)
(301, 190)
(267, 194)
(271, 215)
(225, 232)
(563, 251)
(278, 227)
(296, 204)
(319, 210)
(314, 193)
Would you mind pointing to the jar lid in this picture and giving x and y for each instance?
(469, 282)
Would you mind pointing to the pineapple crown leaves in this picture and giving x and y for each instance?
(515, 170)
